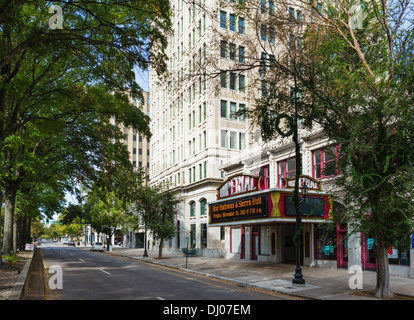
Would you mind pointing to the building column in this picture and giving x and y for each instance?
(247, 243)
(354, 249)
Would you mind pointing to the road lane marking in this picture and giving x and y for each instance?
(82, 260)
(159, 298)
(195, 279)
(104, 271)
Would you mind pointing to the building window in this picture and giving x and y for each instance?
(192, 209)
(233, 110)
(233, 140)
(232, 85)
(241, 54)
(223, 108)
(223, 49)
(271, 7)
(232, 22)
(223, 79)
(272, 35)
(263, 32)
(264, 89)
(326, 244)
(242, 107)
(223, 19)
(232, 51)
(223, 135)
(203, 207)
(286, 169)
(326, 162)
(203, 228)
(264, 173)
(242, 83)
(242, 141)
(241, 26)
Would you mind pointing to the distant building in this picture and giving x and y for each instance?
(139, 153)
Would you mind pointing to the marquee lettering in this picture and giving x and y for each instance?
(239, 185)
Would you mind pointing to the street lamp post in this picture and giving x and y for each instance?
(298, 279)
(145, 255)
(298, 168)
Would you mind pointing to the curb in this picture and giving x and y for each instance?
(20, 287)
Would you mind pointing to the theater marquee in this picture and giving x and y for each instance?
(240, 209)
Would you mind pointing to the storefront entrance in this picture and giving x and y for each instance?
(288, 231)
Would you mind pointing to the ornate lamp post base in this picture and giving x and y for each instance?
(298, 277)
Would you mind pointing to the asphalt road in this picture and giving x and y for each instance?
(79, 274)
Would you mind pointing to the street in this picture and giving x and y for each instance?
(79, 274)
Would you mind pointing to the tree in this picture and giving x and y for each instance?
(103, 210)
(158, 211)
(351, 67)
(59, 88)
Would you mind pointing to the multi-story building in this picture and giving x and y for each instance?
(194, 125)
(138, 147)
(235, 190)
(137, 144)
(199, 140)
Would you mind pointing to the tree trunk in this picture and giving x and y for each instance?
(160, 248)
(16, 233)
(382, 289)
(9, 204)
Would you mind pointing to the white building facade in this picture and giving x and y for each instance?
(199, 144)
(194, 126)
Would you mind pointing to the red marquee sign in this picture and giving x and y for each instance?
(311, 183)
(239, 184)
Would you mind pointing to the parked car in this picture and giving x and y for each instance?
(71, 243)
(97, 246)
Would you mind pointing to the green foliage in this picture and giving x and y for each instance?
(158, 211)
(59, 90)
(10, 259)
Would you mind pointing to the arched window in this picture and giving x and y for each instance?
(192, 209)
(203, 207)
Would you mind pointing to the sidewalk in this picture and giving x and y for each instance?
(321, 283)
